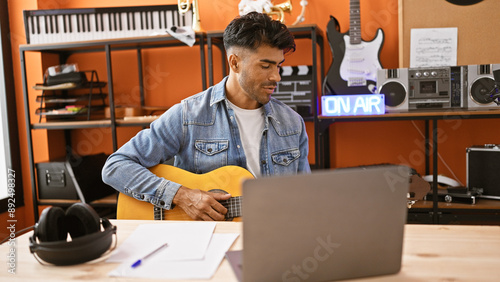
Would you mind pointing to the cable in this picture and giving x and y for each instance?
(495, 98)
(439, 156)
(20, 231)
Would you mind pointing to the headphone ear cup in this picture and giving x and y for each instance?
(51, 226)
(81, 219)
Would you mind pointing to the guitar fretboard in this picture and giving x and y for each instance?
(233, 206)
(355, 22)
(158, 213)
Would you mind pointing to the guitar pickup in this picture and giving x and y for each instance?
(356, 81)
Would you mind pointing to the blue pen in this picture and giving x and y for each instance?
(138, 262)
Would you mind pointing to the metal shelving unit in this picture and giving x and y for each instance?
(54, 97)
(64, 51)
(432, 210)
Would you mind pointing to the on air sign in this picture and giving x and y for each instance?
(352, 105)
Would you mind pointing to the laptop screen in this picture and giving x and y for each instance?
(331, 224)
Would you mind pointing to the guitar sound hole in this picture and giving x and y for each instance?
(218, 191)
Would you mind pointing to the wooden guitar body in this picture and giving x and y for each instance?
(226, 179)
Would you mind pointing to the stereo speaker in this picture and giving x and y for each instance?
(481, 85)
(393, 84)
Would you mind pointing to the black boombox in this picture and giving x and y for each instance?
(459, 87)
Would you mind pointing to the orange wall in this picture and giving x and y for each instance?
(174, 74)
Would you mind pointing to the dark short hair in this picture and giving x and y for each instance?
(254, 29)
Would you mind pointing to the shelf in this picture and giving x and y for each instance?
(64, 113)
(136, 121)
(65, 108)
(133, 121)
(70, 86)
(50, 99)
(154, 41)
(299, 31)
(109, 200)
(63, 86)
(421, 114)
(481, 204)
(71, 124)
(60, 112)
(485, 211)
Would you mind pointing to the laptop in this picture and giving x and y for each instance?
(328, 225)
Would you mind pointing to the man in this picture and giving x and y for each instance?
(235, 122)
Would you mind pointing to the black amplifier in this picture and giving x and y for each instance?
(73, 179)
(437, 87)
(483, 170)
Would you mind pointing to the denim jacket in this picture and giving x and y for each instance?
(201, 134)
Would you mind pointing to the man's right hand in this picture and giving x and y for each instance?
(201, 205)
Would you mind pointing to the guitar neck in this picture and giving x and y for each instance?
(233, 206)
(158, 213)
(354, 22)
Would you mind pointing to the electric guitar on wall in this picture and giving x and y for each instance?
(226, 179)
(355, 62)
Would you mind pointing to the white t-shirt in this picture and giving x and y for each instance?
(251, 125)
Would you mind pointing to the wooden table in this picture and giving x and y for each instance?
(431, 253)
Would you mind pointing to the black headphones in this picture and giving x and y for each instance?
(464, 2)
(82, 222)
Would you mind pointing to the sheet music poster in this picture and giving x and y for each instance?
(433, 47)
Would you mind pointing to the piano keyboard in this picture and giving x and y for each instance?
(70, 25)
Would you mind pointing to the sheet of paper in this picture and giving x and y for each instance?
(433, 47)
(184, 34)
(186, 241)
(203, 268)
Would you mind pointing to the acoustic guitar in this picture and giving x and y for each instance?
(226, 179)
(355, 62)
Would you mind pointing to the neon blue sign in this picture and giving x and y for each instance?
(352, 105)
